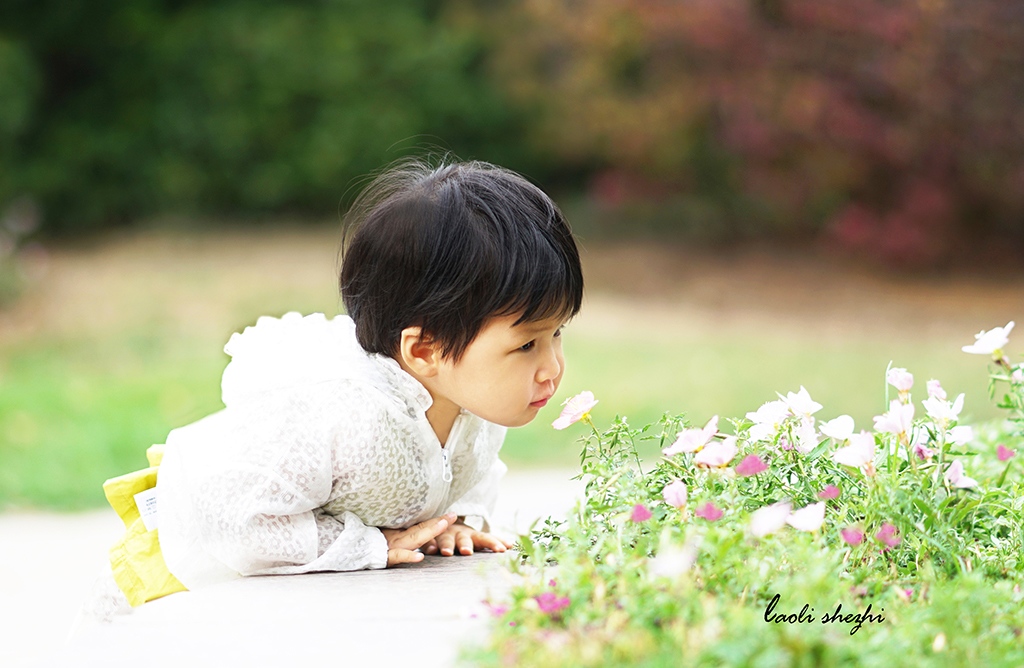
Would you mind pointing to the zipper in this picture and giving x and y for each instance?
(446, 466)
(453, 437)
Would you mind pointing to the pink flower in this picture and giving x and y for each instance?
(923, 452)
(693, 440)
(990, 342)
(575, 409)
(901, 379)
(640, 513)
(1003, 453)
(887, 535)
(919, 445)
(955, 476)
(709, 512)
(808, 518)
(1018, 375)
(496, 610)
(675, 494)
(549, 602)
(898, 420)
(769, 519)
(935, 390)
(717, 453)
(751, 465)
(830, 492)
(852, 535)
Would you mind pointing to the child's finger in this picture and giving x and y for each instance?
(400, 556)
(465, 542)
(419, 534)
(491, 542)
(446, 544)
(430, 547)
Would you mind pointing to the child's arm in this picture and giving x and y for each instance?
(242, 492)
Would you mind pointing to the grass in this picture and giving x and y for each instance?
(75, 412)
(121, 342)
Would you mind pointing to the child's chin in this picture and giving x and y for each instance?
(518, 421)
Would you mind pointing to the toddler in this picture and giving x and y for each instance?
(370, 439)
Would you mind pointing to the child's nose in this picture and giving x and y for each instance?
(550, 369)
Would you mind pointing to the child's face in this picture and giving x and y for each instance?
(507, 373)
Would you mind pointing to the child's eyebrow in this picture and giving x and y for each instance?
(533, 327)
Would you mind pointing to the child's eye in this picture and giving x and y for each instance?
(527, 347)
(558, 332)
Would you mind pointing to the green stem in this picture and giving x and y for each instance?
(1003, 476)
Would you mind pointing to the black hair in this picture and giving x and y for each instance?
(445, 248)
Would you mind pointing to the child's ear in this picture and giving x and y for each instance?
(420, 354)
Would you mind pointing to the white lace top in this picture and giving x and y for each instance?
(318, 444)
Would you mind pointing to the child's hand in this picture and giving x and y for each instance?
(466, 538)
(403, 542)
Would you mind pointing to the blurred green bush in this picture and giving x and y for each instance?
(111, 110)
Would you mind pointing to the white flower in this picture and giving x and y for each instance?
(767, 420)
(806, 436)
(692, 440)
(673, 560)
(801, 403)
(769, 519)
(808, 518)
(935, 390)
(898, 420)
(901, 379)
(944, 411)
(961, 435)
(839, 429)
(717, 453)
(859, 454)
(955, 476)
(990, 342)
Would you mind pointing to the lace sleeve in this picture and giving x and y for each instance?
(258, 500)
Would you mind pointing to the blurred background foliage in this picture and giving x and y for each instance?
(891, 129)
(890, 132)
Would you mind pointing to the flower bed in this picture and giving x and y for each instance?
(790, 541)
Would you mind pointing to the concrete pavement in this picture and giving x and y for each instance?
(418, 614)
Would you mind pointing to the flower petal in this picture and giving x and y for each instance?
(769, 519)
(808, 518)
(675, 494)
(717, 453)
(838, 429)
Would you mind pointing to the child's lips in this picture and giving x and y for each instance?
(540, 403)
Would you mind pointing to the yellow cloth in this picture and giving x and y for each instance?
(136, 560)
